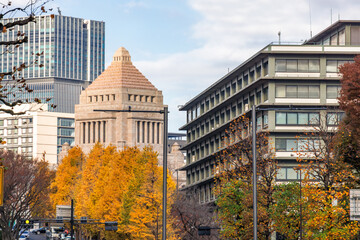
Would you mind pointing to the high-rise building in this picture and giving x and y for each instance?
(304, 76)
(73, 53)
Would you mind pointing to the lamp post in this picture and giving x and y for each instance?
(165, 143)
(254, 171)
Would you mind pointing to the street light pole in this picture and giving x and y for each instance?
(165, 171)
(254, 171)
(165, 143)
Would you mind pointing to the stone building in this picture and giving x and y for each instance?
(120, 87)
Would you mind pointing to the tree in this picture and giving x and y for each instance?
(11, 80)
(189, 214)
(111, 185)
(328, 179)
(67, 176)
(26, 190)
(146, 215)
(285, 213)
(349, 101)
(235, 170)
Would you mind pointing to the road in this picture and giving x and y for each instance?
(37, 237)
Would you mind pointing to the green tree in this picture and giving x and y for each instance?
(285, 213)
(235, 169)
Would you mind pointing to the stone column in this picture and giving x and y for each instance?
(86, 128)
(146, 131)
(96, 137)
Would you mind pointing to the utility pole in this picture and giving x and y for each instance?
(165, 143)
(254, 171)
(72, 220)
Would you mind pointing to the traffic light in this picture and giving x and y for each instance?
(1, 186)
(83, 220)
(111, 226)
(26, 223)
(59, 219)
(204, 230)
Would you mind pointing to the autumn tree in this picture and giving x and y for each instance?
(11, 80)
(26, 191)
(116, 185)
(67, 176)
(328, 179)
(234, 185)
(349, 101)
(146, 215)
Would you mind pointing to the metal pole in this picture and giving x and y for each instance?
(301, 230)
(165, 171)
(72, 220)
(254, 170)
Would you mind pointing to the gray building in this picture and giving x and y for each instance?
(73, 56)
(277, 77)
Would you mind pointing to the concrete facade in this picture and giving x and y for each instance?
(283, 80)
(37, 133)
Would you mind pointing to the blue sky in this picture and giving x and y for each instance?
(183, 46)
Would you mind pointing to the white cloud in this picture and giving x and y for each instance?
(231, 31)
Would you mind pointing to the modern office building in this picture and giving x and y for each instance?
(73, 55)
(37, 132)
(289, 82)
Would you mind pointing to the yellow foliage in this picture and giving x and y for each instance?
(123, 186)
(63, 188)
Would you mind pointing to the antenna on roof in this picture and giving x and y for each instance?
(338, 16)
(59, 11)
(279, 34)
(310, 19)
(330, 16)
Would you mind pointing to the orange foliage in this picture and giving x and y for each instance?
(123, 186)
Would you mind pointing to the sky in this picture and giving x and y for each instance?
(183, 46)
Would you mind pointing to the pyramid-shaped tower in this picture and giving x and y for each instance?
(119, 87)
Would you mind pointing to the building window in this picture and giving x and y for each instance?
(294, 118)
(333, 92)
(297, 65)
(333, 119)
(332, 66)
(265, 121)
(66, 122)
(297, 91)
(296, 145)
(266, 94)
(66, 132)
(287, 173)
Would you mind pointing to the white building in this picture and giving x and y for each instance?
(37, 132)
